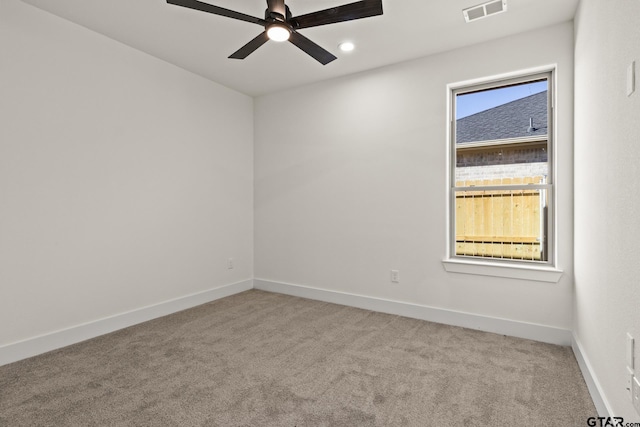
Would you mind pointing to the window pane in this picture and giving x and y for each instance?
(501, 140)
(501, 133)
(508, 224)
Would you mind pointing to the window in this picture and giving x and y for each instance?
(501, 171)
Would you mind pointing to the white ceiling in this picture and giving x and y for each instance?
(201, 42)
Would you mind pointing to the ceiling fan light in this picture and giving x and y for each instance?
(346, 46)
(278, 33)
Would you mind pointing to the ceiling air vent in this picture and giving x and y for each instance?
(485, 9)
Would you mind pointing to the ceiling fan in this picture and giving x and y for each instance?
(280, 25)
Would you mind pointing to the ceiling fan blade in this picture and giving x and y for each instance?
(206, 7)
(250, 47)
(312, 49)
(347, 12)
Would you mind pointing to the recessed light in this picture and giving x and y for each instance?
(346, 46)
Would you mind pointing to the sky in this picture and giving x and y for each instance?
(472, 103)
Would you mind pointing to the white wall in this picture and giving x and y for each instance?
(350, 183)
(124, 181)
(607, 198)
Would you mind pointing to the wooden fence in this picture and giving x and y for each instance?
(500, 223)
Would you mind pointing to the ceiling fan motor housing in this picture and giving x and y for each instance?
(276, 20)
(275, 13)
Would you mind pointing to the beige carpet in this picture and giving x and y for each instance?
(263, 359)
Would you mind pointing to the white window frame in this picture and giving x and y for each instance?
(545, 271)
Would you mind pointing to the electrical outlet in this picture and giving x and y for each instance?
(395, 276)
(230, 263)
(636, 394)
(629, 384)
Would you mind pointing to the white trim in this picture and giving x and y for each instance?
(597, 395)
(41, 344)
(542, 333)
(491, 80)
(470, 268)
(516, 271)
(509, 142)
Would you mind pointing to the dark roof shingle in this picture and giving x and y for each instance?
(509, 120)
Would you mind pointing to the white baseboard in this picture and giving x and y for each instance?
(41, 344)
(542, 333)
(598, 397)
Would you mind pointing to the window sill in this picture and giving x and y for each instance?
(483, 268)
